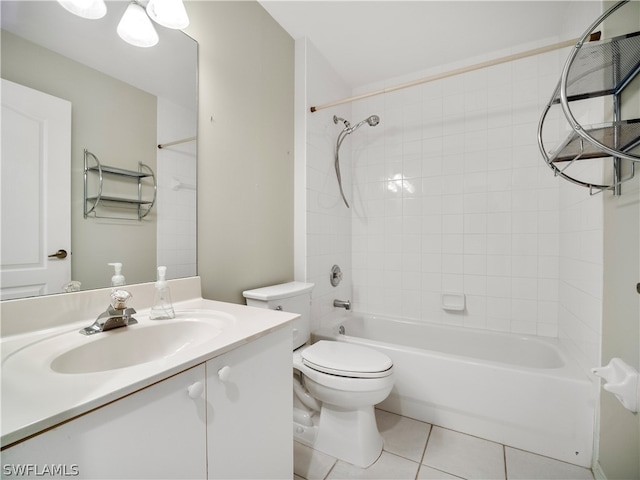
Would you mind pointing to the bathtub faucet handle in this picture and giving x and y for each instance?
(336, 275)
(346, 304)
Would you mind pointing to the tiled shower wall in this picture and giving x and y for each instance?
(449, 193)
(455, 198)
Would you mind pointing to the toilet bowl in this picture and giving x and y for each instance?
(347, 380)
(336, 384)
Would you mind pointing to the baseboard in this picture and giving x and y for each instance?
(598, 473)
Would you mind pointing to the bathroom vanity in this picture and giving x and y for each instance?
(219, 408)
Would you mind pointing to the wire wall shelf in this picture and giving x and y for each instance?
(597, 69)
(138, 204)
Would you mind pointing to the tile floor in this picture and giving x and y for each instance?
(419, 451)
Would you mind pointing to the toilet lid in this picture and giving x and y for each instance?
(346, 360)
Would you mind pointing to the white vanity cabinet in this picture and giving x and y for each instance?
(158, 432)
(250, 401)
(227, 418)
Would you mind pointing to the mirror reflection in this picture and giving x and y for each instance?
(75, 86)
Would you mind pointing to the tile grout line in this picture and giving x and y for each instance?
(424, 450)
(504, 459)
(428, 440)
(335, 462)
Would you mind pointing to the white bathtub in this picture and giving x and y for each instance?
(521, 391)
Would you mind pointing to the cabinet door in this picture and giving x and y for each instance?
(158, 432)
(250, 408)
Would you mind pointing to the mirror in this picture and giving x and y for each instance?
(125, 101)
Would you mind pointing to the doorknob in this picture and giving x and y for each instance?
(60, 254)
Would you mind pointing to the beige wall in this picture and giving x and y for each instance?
(116, 122)
(245, 148)
(619, 428)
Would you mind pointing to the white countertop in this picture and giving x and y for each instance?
(35, 397)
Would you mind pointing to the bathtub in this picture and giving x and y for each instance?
(521, 391)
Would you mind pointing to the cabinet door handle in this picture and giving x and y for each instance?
(195, 390)
(224, 372)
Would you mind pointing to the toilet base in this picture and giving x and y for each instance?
(349, 434)
(304, 434)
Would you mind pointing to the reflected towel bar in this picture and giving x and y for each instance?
(184, 140)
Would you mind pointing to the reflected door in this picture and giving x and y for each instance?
(35, 176)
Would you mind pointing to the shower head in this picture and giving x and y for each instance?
(373, 120)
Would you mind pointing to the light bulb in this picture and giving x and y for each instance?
(136, 28)
(91, 9)
(168, 13)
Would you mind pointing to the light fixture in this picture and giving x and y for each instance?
(91, 9)
(136, 28)
(168, 13)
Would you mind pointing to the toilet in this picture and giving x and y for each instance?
(336, 384)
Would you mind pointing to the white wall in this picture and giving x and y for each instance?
(581, 269)
(328, 222)
(619, 428)
(245, 148)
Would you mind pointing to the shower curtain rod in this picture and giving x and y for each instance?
(489, 63)
(184, 140)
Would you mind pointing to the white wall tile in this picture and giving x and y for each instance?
(454, 196)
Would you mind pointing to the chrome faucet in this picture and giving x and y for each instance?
(115, 316)
(346, 304)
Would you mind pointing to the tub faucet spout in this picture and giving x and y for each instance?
(346, 304)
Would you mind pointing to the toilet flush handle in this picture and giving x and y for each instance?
(224, 373)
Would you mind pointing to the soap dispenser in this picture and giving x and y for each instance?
(162, 307)
(118, 279)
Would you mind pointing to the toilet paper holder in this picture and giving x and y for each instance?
(621, 380)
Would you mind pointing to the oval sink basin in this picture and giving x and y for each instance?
(130, 346)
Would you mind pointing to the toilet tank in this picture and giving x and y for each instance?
(292, 297)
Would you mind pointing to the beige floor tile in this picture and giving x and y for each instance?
(311, 464)
(464, 456)
(449, 455)
(403, 436)
(428, 473)
(523, 465)
(387, 467)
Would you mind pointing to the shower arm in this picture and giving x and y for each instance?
(341, 138)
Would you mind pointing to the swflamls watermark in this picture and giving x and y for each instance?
(35, 470)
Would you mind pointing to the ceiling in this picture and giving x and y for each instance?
(369, 41)
(366, 41)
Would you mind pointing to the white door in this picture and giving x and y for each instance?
(35, 176)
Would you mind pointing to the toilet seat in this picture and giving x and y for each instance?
(346, 360)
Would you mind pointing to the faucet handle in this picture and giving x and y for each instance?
(119, 299)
